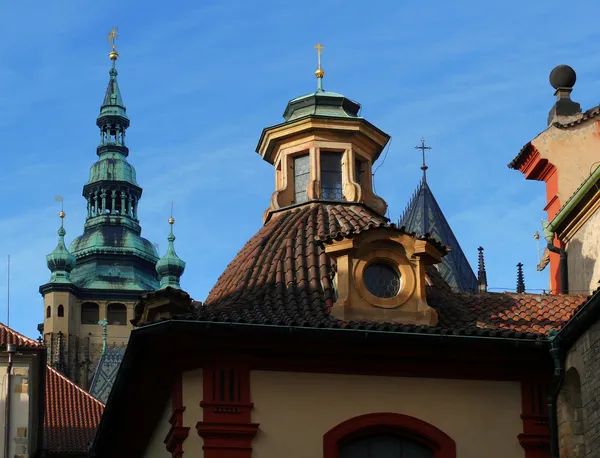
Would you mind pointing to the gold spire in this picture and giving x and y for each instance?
(112, 36)
(319, 73)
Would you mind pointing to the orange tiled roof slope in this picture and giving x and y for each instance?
(282, 276)
(72, 416)
(10, 336)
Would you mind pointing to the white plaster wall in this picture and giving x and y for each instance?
(582, 257)
(157, 447)
(295, 410)
(192, 396)
(20, 407)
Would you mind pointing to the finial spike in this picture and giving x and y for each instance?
(481, 273)
(520, 279)
(112, 36)
(424, 167)
(319, 73)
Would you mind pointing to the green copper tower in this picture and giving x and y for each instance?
(89, 300)
(111, 254)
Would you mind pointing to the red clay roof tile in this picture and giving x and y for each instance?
(72, 416)
(10, 336)
(282, 276)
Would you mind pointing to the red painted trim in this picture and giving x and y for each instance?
(535, 438)
(412, 428)
(178, 433)
(226, 428)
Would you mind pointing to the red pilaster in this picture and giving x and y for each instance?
(178, 433)
(534, 167)
(535, 438)
(227, 429)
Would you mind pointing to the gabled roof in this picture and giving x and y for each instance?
(105, 374)
(423, 215)
(283, 277)
(10, 336)
(72, 416)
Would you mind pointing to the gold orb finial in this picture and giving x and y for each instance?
(112, 36)
(171, 220)
(62, 214)
(319, 73)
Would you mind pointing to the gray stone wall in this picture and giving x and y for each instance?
(579, 400)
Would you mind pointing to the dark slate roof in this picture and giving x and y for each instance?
(106, 372)
(423, 215)
(283, 277)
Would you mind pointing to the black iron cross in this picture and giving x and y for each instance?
(423, 148)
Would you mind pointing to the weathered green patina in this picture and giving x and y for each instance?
(111, 254)
(321, 103)
(170, 267)
(60, 262)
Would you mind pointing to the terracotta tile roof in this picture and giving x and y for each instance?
(282, 276)
(589, 114)
(10, 336)
(72, 416)
(520, 157)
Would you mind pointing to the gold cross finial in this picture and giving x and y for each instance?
(112, 36)
(319, 73)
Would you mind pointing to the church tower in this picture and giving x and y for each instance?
(89, 299)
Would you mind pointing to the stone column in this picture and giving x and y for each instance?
(113, 196)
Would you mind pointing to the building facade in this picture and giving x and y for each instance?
(566, 157)
(332, 333)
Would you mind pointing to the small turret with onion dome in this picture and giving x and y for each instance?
(170, 267)
(60, 262)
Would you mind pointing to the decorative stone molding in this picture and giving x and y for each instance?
(404, 255)
(226, 428)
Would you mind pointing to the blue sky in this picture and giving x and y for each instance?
(202, 79)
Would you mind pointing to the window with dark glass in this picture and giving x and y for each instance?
(384, 447)
(89, 313)
(301, 177)
(48, 312)
(382, 280)
(357, 171)
(116, 314)
(331, 176)
(61, 310)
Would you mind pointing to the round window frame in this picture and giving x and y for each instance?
(395, 260)
(389, 265)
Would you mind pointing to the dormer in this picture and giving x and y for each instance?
(380, 276)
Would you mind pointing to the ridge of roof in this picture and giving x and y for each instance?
(9, 335)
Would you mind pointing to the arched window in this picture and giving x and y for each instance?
(116, 314)
(48, 312)
(61, 310)
(570, 416)
(89, 313)
(387, 435)
(384, 447)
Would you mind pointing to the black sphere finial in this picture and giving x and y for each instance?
(563, 76)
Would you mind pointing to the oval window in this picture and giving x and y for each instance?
(382, 280)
